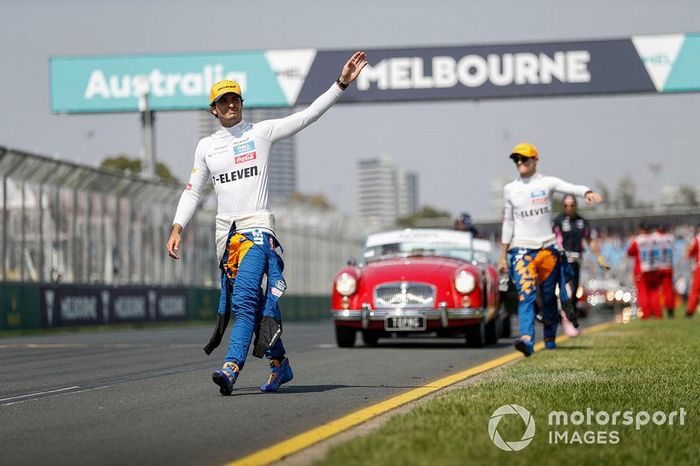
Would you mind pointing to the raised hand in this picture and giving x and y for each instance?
(353, 67)
(593, 198)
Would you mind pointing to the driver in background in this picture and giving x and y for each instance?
(463, 222)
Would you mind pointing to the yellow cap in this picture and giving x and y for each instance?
(525, 149)
(223, 87)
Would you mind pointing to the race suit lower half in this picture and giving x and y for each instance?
(694, 292)
(648, 294)
(666, 289)
(575, 280)
(531, 269)
(249, 256)
(641, 291)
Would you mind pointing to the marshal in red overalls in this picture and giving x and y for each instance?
(694, 255)
(646, 276)
(663, 259)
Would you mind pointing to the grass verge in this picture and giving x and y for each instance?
(640, 367)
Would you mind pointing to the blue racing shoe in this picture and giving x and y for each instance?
(226, 377)
(524, 346)
(549, 343)
(280, 372)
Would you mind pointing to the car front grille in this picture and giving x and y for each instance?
(404, 294)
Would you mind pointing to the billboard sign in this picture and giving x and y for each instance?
(71, 305)
(285, 78)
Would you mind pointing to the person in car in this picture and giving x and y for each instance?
(463, 222)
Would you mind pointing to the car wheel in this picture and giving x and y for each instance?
(494, 330)
(476, 335)
(370, 338)
(345, 337)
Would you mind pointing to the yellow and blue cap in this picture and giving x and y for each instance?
(223, 87)
(525, 149)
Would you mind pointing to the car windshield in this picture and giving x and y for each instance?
(413, 248)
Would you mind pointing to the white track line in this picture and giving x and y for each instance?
(2, 400)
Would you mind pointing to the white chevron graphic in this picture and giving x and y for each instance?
(291, 68)
(659, 53)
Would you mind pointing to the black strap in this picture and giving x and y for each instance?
(219, 330)
(269, 332)
(222, 320)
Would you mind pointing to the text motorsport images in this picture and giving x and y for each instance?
(576, 427)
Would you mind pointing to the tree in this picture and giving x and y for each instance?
(131, 166)
(122, 163)
(688, 195)
(626, 193)
(164, 174)
(604, 191)
(426, 213)
(318, 201)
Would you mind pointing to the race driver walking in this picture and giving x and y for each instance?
(529, 247)
(235, 159)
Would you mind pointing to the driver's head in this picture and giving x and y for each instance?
(525, 157)
(569, 204)
(463, 222)
(226, 102)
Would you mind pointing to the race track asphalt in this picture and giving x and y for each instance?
(145, 396)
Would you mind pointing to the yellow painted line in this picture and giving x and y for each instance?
(310, 437)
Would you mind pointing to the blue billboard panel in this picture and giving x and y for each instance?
(284, 78)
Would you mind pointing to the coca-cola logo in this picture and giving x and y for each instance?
(245, 157)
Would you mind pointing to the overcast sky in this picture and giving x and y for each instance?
(456, 147)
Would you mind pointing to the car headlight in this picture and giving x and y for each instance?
(345, 284)
(464, 282)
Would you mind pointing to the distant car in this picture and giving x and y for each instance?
(420, 281)
(608, 293)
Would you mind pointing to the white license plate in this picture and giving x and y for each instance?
(404, 323)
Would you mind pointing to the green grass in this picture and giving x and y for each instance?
(643, 366)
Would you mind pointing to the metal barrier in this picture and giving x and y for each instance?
(65, 223)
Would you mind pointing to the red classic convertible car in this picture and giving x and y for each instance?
(418, 281)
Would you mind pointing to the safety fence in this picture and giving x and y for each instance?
(66, 224)
(29, 306)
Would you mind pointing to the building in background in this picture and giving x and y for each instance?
(385, 192)
(282, 169)
(496, 197)
(407, 188)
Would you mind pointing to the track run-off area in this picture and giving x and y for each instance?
(145, 396)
